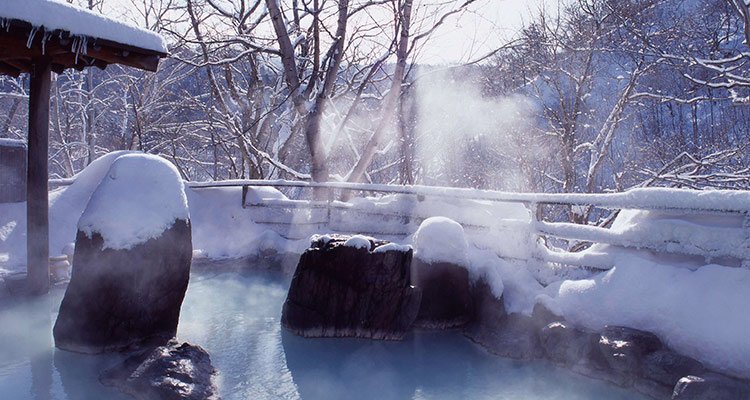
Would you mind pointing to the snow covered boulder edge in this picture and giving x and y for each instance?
(132, 260)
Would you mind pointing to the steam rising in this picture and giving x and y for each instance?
(466, 138)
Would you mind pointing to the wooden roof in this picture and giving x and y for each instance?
(21, 43)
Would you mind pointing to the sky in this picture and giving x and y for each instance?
(489, 23)
(463, 37)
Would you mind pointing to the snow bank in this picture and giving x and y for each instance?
(141, 196)
(441, 239)
(701, 313)
(53, 15)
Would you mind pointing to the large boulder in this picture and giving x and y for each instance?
(171, 372)
(352, 287)
(446, 299)
(132, 260)
(440, 270)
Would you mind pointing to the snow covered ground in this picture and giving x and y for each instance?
(696, 306)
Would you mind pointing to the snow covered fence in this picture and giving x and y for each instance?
(674, 227)
(681, 222)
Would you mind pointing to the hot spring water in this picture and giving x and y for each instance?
(235, 317)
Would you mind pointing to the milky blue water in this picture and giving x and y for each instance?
(235, 317)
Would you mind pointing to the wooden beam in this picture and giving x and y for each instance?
(6, 69)
(98, 52)
(37, 202)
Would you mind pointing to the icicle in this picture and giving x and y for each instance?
(45, 38)
(31, 37)
(80, 43)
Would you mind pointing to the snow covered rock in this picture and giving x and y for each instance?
(440, 270)
(441, 239)
(341, 290)
(132, 260)
(171, 372)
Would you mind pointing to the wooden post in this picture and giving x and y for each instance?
(37, 203)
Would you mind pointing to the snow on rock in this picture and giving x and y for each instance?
(404, 248)
(66, 206)
(701, 314)
(441, 239)
(68, 203)
(140, 197)
(358, 242)
(54, 15)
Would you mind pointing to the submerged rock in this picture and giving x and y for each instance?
(132, 260)
(446, 301)
(171, 372)
(352, 287)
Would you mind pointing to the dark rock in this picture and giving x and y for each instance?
(653, 389)
(344, 291)
(118, 299)
(710, 386)
(170, 372)
(508, 335)
(446, 300)
(667, 367)
(565, 344)
(624, 350)
(543, 316)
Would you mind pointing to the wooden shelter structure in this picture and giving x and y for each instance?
(45, 37)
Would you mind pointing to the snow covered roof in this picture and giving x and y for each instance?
(55, 15)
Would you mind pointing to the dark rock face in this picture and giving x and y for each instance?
(118, 299)
(171, 372)
(344, 291)
(667, 367)
(446, 300)
(567, 345)
(508, 335)
(625, 349)
(710, 386)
